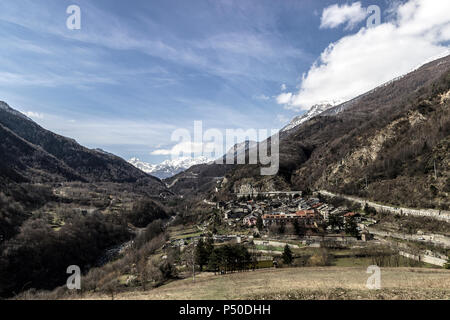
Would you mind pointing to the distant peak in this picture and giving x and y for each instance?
(170, 167)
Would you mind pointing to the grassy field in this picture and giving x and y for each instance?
(303, 283)
(180, 232)
(270, 248)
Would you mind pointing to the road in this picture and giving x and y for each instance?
(436, 239)
(431, 213)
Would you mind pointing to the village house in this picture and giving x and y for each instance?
(350, 215)
(325, 211)
(276, 217)
(316, 205)
(306, 217)
(250, 220)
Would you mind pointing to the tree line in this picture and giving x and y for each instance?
(223, 259)
(39, 256)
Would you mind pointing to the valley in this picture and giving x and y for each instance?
(359, 184)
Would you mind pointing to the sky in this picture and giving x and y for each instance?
(138, 70)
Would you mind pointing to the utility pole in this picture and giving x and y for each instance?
(193, 260)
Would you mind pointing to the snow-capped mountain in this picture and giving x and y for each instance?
(335, 107)
(168, 168)
(314, 111)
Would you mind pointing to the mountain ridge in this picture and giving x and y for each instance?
(168, 168)
(334, 107)
(344, 148)
(32, 153)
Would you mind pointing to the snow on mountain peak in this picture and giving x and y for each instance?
(314, 111)
(168, 168)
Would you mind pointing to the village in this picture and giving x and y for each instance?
(280, 212)
(312, 225)
(268, 222)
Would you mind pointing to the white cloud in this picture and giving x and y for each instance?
(335, 15)
(284, 98)
(161, 152)
(283, 87)
(33, 115)
(360, 62)
(187, 148)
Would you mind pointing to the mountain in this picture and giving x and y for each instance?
(30, 153)
(311, 113)
(168, 168)
(202, 178)
(334, 107)
(383, 145)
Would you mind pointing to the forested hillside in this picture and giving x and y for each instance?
(390, 145)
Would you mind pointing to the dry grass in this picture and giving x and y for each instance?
(304, 283)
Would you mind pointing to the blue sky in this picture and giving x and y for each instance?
(137, 70)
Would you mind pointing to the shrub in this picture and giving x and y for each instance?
(321, 258)
(287, 255)
(145, 212)
(447, 265)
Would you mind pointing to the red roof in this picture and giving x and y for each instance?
(350, 214)
(304, 213)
